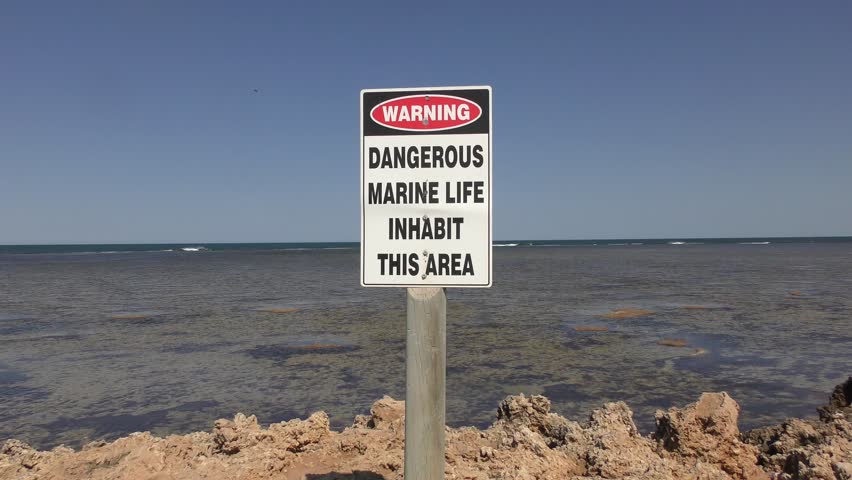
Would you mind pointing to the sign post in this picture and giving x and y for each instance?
(425, 383)
(426, 225)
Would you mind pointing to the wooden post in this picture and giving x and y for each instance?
(425, 383)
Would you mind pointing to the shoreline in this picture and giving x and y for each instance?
(526, 441)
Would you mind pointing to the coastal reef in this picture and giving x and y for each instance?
(526, 442)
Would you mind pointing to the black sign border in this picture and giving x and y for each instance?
(472, 93)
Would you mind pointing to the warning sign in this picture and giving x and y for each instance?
(426, 187)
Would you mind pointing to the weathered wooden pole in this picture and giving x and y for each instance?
(425, 383)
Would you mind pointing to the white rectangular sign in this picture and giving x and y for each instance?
(426, 187)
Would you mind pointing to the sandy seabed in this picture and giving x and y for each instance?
(526, 442)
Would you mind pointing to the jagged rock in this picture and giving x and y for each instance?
(616, 450)
(787, 437)
(809, 449)
(387, 413)
(301, 435)
(527, 441)
(839, 404)
(20, 453)
(803, 449)
(843, 470)
(707, 431)
(231, 436)
(518, 411)
(524, 411)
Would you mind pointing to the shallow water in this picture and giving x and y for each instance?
(97, 346)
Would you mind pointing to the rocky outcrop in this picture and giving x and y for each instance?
(242, 433)
(526, 442)
(799, 449)
(707, 431)
(614, 449)
(810, 449)
(839, 404)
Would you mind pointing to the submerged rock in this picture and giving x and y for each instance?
(277, 310)
(591, 328)
(622, 313)
(130, 316)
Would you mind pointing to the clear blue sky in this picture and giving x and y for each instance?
(137, 121)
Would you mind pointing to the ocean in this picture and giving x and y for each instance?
(97, 341)
(107, 248)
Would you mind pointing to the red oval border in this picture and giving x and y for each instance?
(421, 129)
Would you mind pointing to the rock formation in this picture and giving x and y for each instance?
(526, 442)
(810, 449)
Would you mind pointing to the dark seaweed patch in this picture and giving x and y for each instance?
(18, 328)
(579, 341)
(563, 392)
(142, 321)
(39, 338)
(281, 353)
(111, 355)
(110, 427)
(10, 379)
(349, 377)
(9, 375)
(20, 392)
(53, 337)
(457, 369)
(196, 347)
(495, 365)
(287, 414)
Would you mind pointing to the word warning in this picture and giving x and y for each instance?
(426, 187)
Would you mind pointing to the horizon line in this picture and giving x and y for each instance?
(590, 239)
